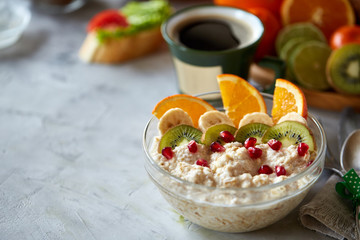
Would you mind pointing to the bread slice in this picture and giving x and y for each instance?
(117, 50)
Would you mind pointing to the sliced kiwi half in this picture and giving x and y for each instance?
(290, 133)
(178, 136)
(255, 130)
(212, 134)
(343, 69)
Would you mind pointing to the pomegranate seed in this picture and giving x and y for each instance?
(167, 152)
(265, 169)
(250, 142)
(280, 170)
(302, 149)
(309, 163)
(254, 152)
(192, 146)
(274, 144)
(226, 136)
(202, 162)
(217, 147)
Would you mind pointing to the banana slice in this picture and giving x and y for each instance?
(211, 118)
(173, 117)
(256, 117)
(293, 116)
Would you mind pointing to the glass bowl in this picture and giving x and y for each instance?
(58, 6)
(14, 18)
(234, 209)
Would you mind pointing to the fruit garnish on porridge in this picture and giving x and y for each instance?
(241, 146)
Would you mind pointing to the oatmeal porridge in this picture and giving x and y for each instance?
(232, 175)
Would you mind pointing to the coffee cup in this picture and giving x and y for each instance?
(208, 40)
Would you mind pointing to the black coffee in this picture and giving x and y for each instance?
(208, 35)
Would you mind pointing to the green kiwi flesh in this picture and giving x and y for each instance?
(343, 69)
(255, 130)
(212, 134)
(178, 136)
(290, 133)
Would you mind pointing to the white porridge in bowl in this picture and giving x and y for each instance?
(232, 167)
(237, 179)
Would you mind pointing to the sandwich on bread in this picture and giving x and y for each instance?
(115, 36)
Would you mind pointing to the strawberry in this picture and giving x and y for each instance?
(111, 17)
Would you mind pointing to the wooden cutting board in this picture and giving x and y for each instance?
(329, 100)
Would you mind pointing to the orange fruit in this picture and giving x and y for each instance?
(272, 5)
(194, 106)
(327, 15)
(271, 28)
(227, 84)
(288, 98)
(239, 97)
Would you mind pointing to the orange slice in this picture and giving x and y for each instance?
(227, 84)
(288, 98)
(194, 106)
(239, 97)
(328, 15)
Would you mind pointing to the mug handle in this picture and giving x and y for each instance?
(266, 71)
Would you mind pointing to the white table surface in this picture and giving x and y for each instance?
(71, 141)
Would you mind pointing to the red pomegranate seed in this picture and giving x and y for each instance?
(217, 147)
(280, 170)
(167, 152)
(309, 163)
(254, 152)
(302, 149)
(192, 146)
(250, 142)
(274, 144)
(265, 169)
(226, 136)
(202, 162)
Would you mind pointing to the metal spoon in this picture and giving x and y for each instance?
(350, 152)
(350, 158)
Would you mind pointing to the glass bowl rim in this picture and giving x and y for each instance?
(23, 20)
(320, 151)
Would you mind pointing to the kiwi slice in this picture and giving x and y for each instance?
(212, 134)
(290, 133)
(343, 69)
(178, 136)
(255, 130)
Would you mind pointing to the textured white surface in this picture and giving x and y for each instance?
(71, 158)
